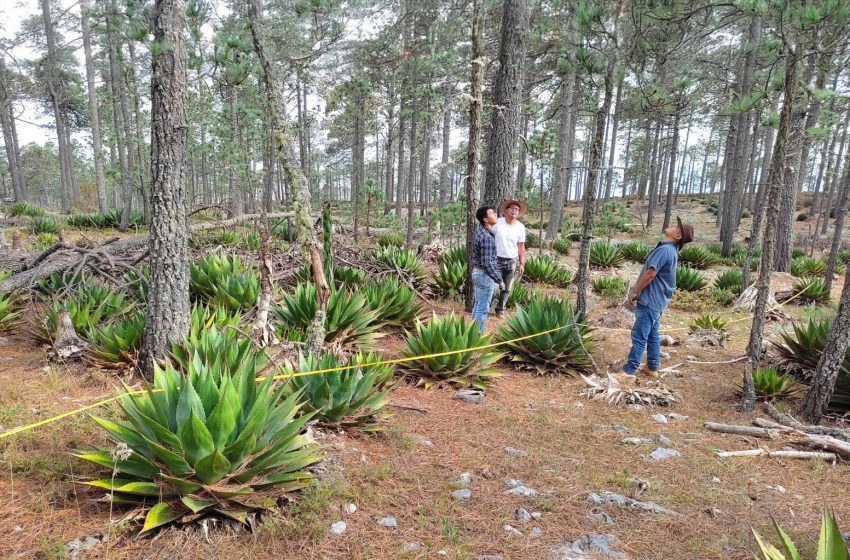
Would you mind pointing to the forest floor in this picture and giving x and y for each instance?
(411, 469)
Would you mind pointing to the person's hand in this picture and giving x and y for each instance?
(521, 267)
(633, 297)
(502, 286)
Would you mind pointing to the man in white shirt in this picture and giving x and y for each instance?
(510, 247)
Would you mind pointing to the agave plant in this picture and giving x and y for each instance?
(563, 350)
(138, 281)
(609, 286)
(796, 253)
(24, 209)
(45, 224)
(217, 348)
(831, 544)
(800, 351)
(45, 240)
(237, 292)
(356, 395)
(349, 319)
(844, 257)
(697, 257)
(224, 275)
(689, 279)
(810, 290)
(348, 276)
(227, 237)
(9, 311)
(403, 262)
(807, 266)
(395, 303)
(88, 307)
(532, 240)
(467, 367)
(562, 245)
(280, 229)
(450, 278)
(391, 239)
(118, 342)
(547, 270)
(520, 294)
(60, 282)
(635, 251)
(205, 317)
(205, 442)
(456, 255)
(605, 255)
(252, 240)
(731, 281)
(770, 384)
(708, 321)
(738, 260)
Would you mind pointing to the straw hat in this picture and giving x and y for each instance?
(508, 202)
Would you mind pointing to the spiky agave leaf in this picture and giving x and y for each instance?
(209, 271)
(446, 334)
(61, 282)
(456, 255)
(605, 255)
(403, 262)
(810, 290)
(391, 239)
(731, 281)
(521, 295)
(349, 319)
(217, 348)
(547, 270)
(831, 544)
(802, 267)
(708, 321)
(356, 396)
(9, 311)
(24, 208)
(45, 224)
(238, 292)
(563, 350)
(697, 257)
(205, 442)
(609, 286)
(562, 245)
(395, 303)
(89, 306)
(689, 280)
(117, 343)
(450, 279)
(636, 251)
(770, 384)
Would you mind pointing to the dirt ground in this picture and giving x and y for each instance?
(410, 470)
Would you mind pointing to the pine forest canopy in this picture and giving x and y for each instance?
(378, 96)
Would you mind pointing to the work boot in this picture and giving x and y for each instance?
(649, 372)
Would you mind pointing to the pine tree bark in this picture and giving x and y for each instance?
(445, 187)
(473, 150)
(358, 159)
(298, 187)
(615, 121)
(833, 177)
(774, 193)
(564, 158)
(97, 141)
(816, 401)
(671, 172)
(389, 151)
(168, 299)
(654, 165)
(507, 100)
(10, 140)
(588, 210)
(410, 201)
(840, 213)
(138, 136)
(234, 189)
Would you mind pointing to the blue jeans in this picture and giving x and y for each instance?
(645, 337)
(484, 288)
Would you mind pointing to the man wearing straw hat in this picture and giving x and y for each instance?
(651, 296)
(510, 247)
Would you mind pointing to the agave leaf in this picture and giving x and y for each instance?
(128, 486)
(239, 515)
(831, 545)
(212, 468)
(196, 439)
(189, 404)
(180, 484)
(196, 505)
(787, 544)
(159, 515)
(136, 465)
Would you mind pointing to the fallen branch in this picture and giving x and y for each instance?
(781, 454)
(732, 361)
(790, 421)
(742, 430)
(828, 443)
(410, 407)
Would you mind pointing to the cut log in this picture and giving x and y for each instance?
(790, 421)
(782, 454)
(742, 430)
(828, 443)
(26, 278)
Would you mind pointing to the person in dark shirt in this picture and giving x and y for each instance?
(651, 296)
(485, 270)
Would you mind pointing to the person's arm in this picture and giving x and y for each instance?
(488, 259)
(521, 250)
(644, 280)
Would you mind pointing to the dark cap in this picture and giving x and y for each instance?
(687, 231)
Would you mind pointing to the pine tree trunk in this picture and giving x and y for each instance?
(583, 273)
(507, 101)
(787, 211)
(357, 160)
(139, 138)
(115, 87)
(425, 163)
(833, 177)
(523, 153)
(568, 111)
(774, 193)
(411, 170)
(653, 176)
(402, 131)
(840, 212)
(168, 299)
(389, 188)
(615, 121)
(7, 124)
(473, 150)
(816, 401)
(448, 87)
(234, 189)
(299, 189)
(671, 183)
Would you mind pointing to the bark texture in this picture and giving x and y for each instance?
(168, 300)
(473, 150)
(564, 157)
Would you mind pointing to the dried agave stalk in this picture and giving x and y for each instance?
(610, 390)
(747, 302)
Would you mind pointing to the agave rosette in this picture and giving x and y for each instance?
(450, 279)
(118, 342)
(205, 442)
(395, 303)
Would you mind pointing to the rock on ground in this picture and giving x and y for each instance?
(388, 522)
(663, 453)
(462, 494)
(599, 544)
(338, 528)
(470, 396)
(618, 500)
(514, 452)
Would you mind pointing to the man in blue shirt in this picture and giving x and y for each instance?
(485, 271)
(651, 296)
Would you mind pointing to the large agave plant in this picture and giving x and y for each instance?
(562, 245)
(391, 239)
(689, 279)
(117, 343)
(219, 349)
(708, 321)
(831, 544)
(450, 278)
(45, 224)
(636, 251)
(353, 396)
(800, 351)
(209, 272)
(609, 286)
(697, 257)
(731, 281)
(810, 290)
(807, 266)
(456, 255)
(60, 283)
(237, 292)
(88, 307)
(403, 262)
(349, 319)
(349, 277)
(9, 311)
(395, 303)
(520, 294)
(446, 334)
(770, 384)
(205, 442)
(605, 255)
(564, 350)
(24, 208)
(547, 270)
